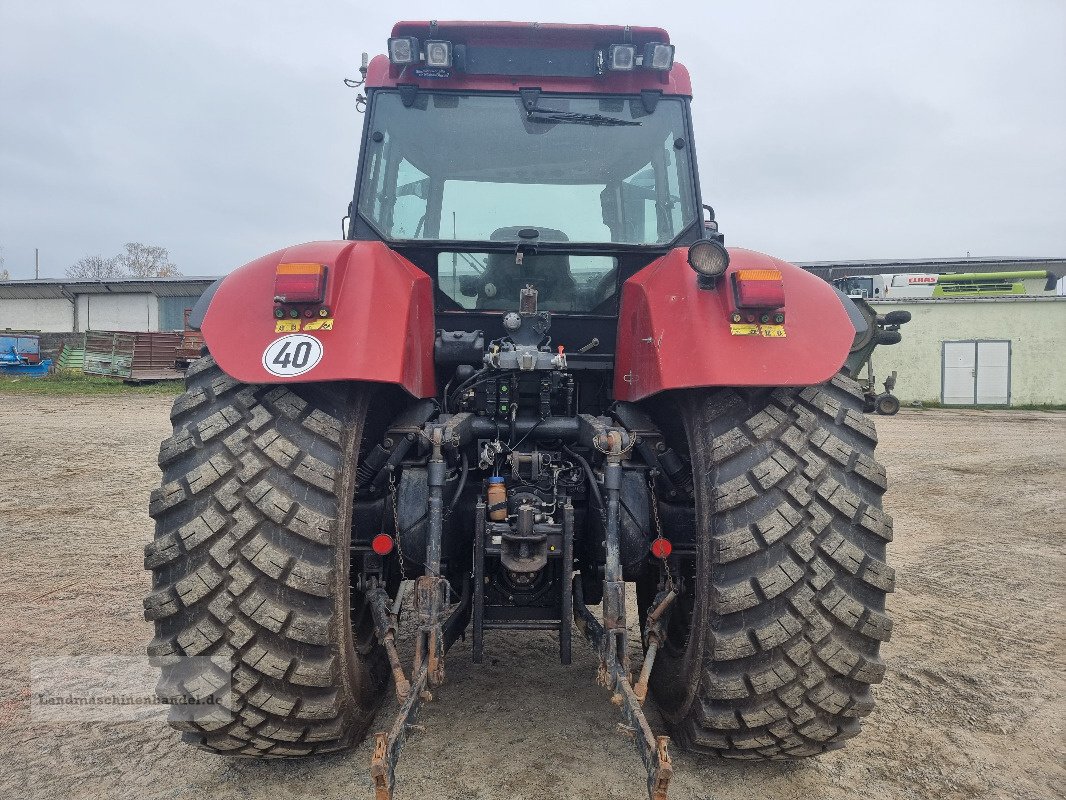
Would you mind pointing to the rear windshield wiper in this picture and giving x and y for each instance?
(549, 115)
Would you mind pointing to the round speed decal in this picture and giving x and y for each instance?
(292, 355)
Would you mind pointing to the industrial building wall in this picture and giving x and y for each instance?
(1035, 328)
(172, 311)
(118, 312)
(52, 315)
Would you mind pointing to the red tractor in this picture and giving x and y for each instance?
(529, 375)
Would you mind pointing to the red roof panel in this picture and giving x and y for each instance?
(546, 36)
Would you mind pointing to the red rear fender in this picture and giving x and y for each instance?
(674, 335)
(380, 324)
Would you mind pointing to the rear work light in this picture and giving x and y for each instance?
(438, 53)
(621, 57)
(658, 56)
(710, 260)
(404, 50)
(300, 283)
(759, 288)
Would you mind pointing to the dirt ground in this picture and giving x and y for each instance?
(972, 705)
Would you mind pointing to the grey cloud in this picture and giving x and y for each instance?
(824, 129)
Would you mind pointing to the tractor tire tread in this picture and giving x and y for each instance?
(245, 571)
(797, 593)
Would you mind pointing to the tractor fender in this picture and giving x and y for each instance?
(379, 326)
(673, 334)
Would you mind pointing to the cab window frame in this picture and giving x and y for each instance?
(363, 227)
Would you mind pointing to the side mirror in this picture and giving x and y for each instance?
(709, 221)
(469, 285)
(346, 220)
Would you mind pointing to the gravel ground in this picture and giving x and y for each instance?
(972, 705)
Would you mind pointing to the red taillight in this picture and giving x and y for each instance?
(300, 283)
(382, 544)
(759, 288)
(661, 548)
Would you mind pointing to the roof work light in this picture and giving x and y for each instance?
(621, 57)
(404, 50)
(438, 53)
(658, 56)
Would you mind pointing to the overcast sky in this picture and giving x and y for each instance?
(825, 130)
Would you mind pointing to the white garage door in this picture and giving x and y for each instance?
(993, 373)
(976, 373)
(960, 364)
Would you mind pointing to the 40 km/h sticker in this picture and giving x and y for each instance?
(292, 355)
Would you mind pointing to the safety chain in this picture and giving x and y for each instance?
(659, 532)
(396, 524)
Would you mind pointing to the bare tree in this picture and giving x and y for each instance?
(139, 261)
(146, 261)
(95, 268)
(4, 274)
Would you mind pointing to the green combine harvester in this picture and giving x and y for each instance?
(925, 286)
(990, 284)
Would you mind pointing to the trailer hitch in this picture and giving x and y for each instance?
(385, 621)
(436, 630)
(654, 750)
(655, 635)
(387, 746)
(430, 598)
(610, 639)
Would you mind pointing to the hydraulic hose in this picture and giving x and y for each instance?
(459, 488)
(591, 476)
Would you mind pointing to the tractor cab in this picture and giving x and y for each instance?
(496, 157)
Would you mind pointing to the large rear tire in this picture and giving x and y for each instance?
(774, 647)
(250, 565)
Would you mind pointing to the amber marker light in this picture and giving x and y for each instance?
(300, 283)
(759, 288)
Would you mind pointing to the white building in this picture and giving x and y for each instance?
(978, 351)
(74, 306)
(968, 348)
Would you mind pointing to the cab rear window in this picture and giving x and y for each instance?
(492, 281)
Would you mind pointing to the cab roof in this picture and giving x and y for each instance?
(513, 55)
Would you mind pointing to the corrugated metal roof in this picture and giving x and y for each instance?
(839, 269)
(946, 301)
(51, 288)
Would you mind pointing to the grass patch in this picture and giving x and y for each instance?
(71, 382)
